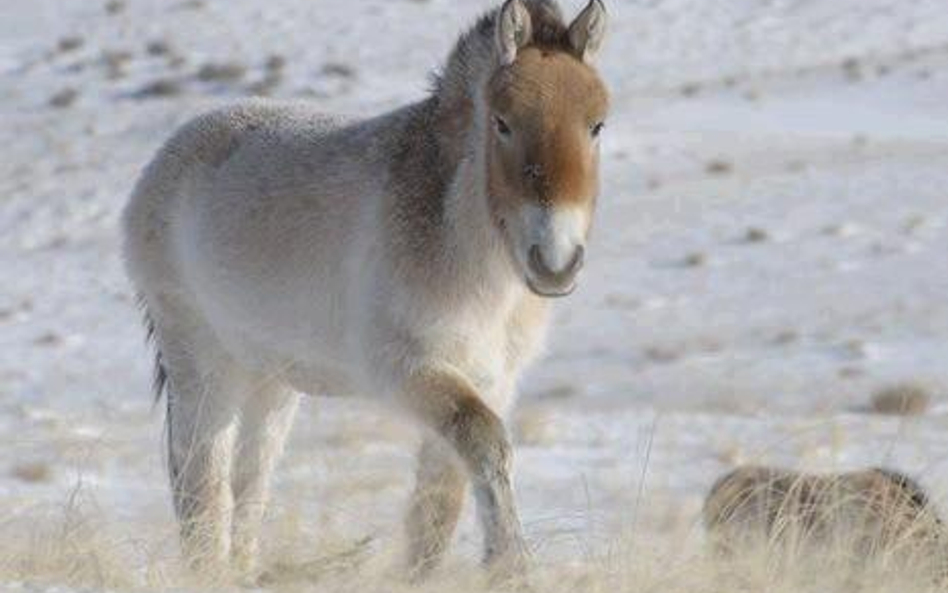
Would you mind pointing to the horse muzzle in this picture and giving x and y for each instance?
(543, 280)
(550, 248)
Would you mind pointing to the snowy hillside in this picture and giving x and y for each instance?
(771, 249)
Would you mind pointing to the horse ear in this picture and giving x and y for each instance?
(588, 30)
(513, 30)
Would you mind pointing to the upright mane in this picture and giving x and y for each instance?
(474, 53)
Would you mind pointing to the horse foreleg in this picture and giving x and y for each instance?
(436, 505)
(450, 405)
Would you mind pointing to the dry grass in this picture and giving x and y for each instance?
(77, 546)
(69, 547)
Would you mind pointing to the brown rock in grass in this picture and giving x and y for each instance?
(859, 515)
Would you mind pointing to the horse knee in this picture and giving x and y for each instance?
(480, 439)
(450, 405)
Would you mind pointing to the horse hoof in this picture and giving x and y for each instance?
(511, 572)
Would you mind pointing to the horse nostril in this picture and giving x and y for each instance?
(556, 277)
(532, 171)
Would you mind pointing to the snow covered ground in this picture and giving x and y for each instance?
(771, 248)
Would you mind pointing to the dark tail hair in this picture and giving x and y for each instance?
(160, 376)
(160, 386)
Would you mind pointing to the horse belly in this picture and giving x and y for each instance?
(323, 377)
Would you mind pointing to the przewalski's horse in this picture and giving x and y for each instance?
(405, 257)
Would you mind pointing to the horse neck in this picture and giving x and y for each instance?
(473, 243)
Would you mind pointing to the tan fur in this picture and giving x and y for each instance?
(552, 101)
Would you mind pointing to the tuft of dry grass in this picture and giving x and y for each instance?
(339, 70)
(63, 547)
(33, 472)
(115, 62)
(192, 5)
(718, 167)
(752, 95)
(852, 69)
(275, 62)
(903, 399)
(787, 336)
(695, 259)
(49, 338)
(113, 7)
(690, 89)
(663, 354)
(64, 98)
(267, 85)
(70, 43)
(162, 87)
(221, 72)
(158, 47)
(756, 235)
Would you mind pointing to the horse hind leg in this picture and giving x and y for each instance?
(266, 419)
(204, 389)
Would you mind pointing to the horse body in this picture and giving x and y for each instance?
(277, 250)
(300, 281)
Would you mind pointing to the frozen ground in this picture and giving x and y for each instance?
(772, 247)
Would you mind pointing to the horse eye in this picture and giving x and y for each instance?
(502, 128)
(597, 129)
